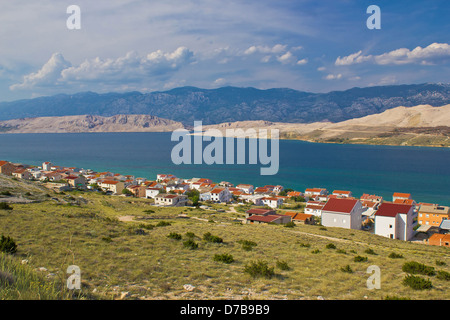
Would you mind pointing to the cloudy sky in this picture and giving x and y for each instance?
(144, 45)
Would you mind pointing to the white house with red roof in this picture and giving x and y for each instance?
(247, 188)
(272, 202)
(342, 213)
(113, 186)
(395, 221)
(343, 193)
(400, 195)
(309, 192)
(220, 195)
(314, 208)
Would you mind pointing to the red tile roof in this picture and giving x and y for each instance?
(340, 205)
(392, 209)
(259, 211)
(401, 195)
(268, 218)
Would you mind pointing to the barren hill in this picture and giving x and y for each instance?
(89, 123)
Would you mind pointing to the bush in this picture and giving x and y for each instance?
(225, 258)
(174, 235)
(259, 269)
(247, 245)
(323, 228)
(417, 283)
(394, 255)
(190, 235)
(341, 251)
(290, 224)
(5, 206)
(347, 269)
(440, 263)
(5, 193)
(331, 246)
(305, 245)
(443, 275)
(190, 244)
(107, 239)
(360, 259)
(8, 245)
(146, 226)
(418, 268)
(315, 251)
(370, 251)
(210, 238)
(282, 265)
(163, 224)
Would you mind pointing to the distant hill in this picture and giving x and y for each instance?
(230, 104)
(89, 123)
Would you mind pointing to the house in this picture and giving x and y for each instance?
(445, 226)
(52, 176)
(77, 182)
(113, 186)
(342, 193)
(371, 197)
(160, 177)
(261, 190)
(247, 188)
(137, 191)
(170, 200)
(395, 221)
(291, 194)
(272, 202)
(220, 195)
(271, 218)
(399, 195)
(315, 191)
(47, 166)
(433, 214)
(152, 192)
(257, 211)
(439, 239)
(22, 173)
(7, 168)
(277, 189)
(301, 218)
(314, 208)
(226, 184)
(342, 213)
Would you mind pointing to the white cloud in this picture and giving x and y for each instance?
(286, 58)
(47, 75)
(278, 48)
(127, 69)
(333, 76)
(302, 61)
(429, 55)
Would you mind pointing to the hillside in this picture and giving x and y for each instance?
(421, 125)
(230, 104)
(134, 258)
(89, 123)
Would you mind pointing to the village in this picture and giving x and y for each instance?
(400, 218)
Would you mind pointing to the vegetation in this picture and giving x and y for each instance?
(417, 283)
(394, 255)
(283, 265)
(418, 268)
(8, 245)
(5, 206)
(330, 246)
(257, 269)
(225, 258)
(190, 244)
(210, 238)
(360, 259)
(347, 269)
(174, 235)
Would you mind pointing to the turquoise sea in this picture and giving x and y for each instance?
(422, 171)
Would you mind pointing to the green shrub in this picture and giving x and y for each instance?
(5, 193)
(259, 269)
(5, 206)
(394, 255)
(210, 238)
(247, 245)
(107, 239)
(149, 211)
(440, 263)
(417, 283)
(290, 224)
(360, 259)
(443, 275)
(370, 251)
(330, 246)
(418, 268)
(174, 235)
(190, 235)
(190, 244)
(315, 251)
(283, 265)
(225, 258)
(146, 226)
(347, 269)
(341, 251)
(163, 224)
(323, 228)
(8, 245)
(305, 245)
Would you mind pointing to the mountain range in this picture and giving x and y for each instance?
(230, 104)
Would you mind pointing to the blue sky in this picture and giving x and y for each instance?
(142, 45)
